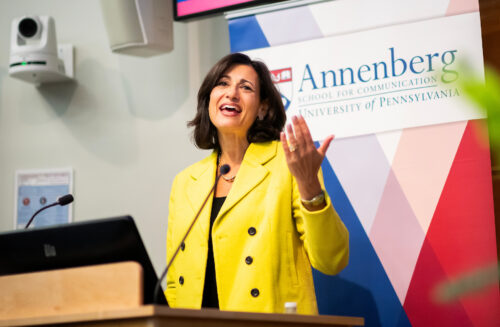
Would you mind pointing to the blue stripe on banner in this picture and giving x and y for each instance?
(245, 34)
(281, 27)
(362, 288)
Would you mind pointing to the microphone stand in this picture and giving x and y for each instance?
(63, 200)
(40, 210)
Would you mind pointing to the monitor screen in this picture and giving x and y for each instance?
(78, 244)
(185, 9)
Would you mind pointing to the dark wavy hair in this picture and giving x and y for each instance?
(267, 129)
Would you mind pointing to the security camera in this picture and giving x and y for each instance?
(34, 54)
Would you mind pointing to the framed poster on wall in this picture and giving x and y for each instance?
(35, 189)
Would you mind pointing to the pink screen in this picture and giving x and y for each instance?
(189, 7)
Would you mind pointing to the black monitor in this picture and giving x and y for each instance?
(78, 244)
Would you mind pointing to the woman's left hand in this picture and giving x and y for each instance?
(302, 157)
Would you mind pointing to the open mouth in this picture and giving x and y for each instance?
(229, 108)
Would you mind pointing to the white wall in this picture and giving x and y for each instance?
(122, 126)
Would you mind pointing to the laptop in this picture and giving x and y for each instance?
(78, 244)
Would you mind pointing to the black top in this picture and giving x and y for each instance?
(210, 298)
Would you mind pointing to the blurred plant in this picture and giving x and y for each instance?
(485, 94)
(467, 284)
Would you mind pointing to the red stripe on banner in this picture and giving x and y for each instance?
(419, 305)
(460, 239)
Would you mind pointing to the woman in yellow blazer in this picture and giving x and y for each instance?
(270, 219)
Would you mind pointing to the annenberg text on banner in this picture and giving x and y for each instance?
(379, 80)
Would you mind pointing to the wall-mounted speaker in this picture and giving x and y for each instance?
(139, 27)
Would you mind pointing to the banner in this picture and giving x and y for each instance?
(412, 178)
(379, 80)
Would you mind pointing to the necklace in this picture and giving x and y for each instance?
(227, 179)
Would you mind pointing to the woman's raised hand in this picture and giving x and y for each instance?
(302, 157)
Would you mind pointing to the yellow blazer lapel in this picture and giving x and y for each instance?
(251, 172)
(202, 180)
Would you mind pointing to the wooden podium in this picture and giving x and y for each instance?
(76, 297)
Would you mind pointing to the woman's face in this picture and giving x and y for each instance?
(235, 101)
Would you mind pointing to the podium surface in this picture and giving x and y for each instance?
(157, 316)
(113, 293)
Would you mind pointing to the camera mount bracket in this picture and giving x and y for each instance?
(45, 70)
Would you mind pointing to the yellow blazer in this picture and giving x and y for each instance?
(262, 218)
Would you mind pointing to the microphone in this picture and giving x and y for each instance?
(224, 169)
(62, 201)
(65, 199)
